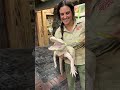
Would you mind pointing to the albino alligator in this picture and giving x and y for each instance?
(61, 49)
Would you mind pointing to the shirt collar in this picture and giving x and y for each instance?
(75, 24)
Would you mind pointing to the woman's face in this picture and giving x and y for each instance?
(66, 15)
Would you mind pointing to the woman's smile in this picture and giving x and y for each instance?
(66, 15)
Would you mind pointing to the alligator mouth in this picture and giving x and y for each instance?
(58, 44)
(56, 40)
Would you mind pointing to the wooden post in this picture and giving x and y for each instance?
(19, 25)
(44, 20)
(42, 31)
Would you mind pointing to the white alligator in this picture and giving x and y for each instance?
(60, 48)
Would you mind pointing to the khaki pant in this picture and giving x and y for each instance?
(71, 80)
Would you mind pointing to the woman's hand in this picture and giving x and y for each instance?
(82, 44)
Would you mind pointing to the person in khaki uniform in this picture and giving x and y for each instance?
(73, 33)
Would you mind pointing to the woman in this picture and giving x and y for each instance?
(72, 32)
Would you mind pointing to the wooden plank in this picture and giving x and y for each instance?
(40, 29)
(45, 27)
(19, 25)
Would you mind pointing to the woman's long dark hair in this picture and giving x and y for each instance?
(61, 4)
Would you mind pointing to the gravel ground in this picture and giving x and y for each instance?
(44, 64)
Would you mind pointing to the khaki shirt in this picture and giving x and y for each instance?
(73, 38)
